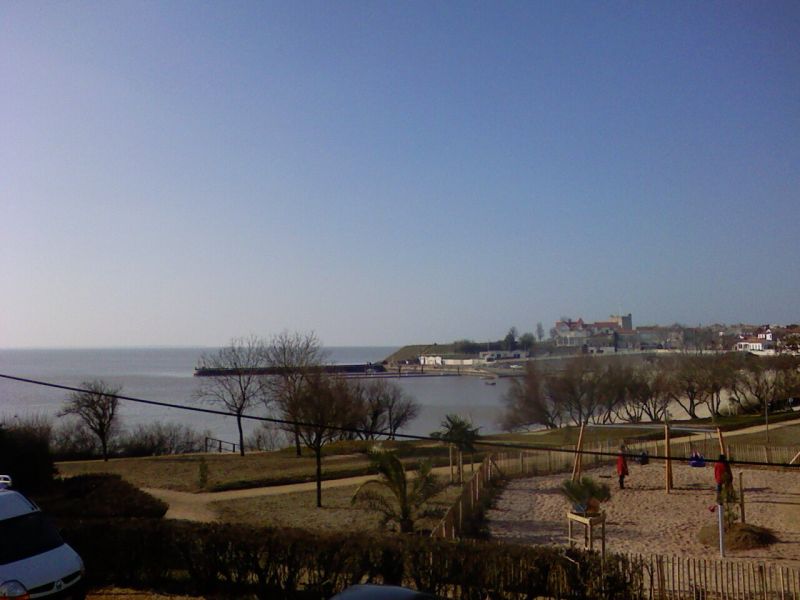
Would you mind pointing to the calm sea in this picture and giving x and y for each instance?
(166, 374)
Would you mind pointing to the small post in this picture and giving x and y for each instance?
(721, 442)
(450, 455)
(721, 522)
(576, 468)
(668, 456)
(741, 497)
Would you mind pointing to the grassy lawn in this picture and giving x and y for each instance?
(231, 471)
(569, 435)
(788, 435)
(337, 514)
(346, 459)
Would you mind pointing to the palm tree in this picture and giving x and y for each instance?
(459, 432)
(405, 496)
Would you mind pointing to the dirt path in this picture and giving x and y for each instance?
(196, 506)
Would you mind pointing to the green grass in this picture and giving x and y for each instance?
(337, 514)
(569, 435)
(787, 435)
(231, 471)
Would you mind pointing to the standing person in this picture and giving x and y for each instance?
(622, 467)
(722, 473)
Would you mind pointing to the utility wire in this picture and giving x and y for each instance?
(356, 430)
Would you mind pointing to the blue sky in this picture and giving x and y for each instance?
(180, 173)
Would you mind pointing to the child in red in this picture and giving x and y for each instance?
(722, 473)
(622, 467)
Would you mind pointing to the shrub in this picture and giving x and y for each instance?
(222, 560)
(738, 536)
(100, 496)
(25, 455)
(156, 439)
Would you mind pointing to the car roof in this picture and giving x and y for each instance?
(14, 504)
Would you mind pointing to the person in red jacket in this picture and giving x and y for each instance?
(622, 467)
(722, 473)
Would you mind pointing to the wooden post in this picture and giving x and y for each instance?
(741, 497)
(667, 454)
(576, 468)
(450, 454)
(721, 442)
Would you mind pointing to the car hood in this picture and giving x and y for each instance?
(43, 568)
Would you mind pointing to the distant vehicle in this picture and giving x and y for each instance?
(381, 592)
(35, 563)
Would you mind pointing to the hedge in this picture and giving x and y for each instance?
(234, 561)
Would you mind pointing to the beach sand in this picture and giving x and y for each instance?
(644, 519)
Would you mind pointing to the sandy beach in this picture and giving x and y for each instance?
(644, 519)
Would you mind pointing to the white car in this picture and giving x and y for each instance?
(34, 560)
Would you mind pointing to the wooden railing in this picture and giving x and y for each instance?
(452, 523)
(213, 444)
(675, 577)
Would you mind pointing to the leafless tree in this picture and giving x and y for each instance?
(323, 405)
(685, 383)
(399, 407)
(647, 394)
(294, 357)
(241, 383)
(576, 390)
(96, 407)
(527, 403)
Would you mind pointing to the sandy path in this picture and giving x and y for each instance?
(644, 519)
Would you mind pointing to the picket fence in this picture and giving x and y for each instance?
(660, 577)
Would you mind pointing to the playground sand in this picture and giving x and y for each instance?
(644, 519)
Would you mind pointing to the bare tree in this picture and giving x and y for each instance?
(293, 357)
(97, 409)
(685, 383)
(576, 390)
(239, 383)
(540, 331)
(718, 374)
(647, 394)
(527, 403)
(323, 406)
(371, 418)
(399, 407)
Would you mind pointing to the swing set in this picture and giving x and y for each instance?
(696, 460)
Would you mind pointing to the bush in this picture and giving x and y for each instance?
(25, 455)
(100, 496)
(156, 439)
(223, 560)
(72, 440)
(739, 536)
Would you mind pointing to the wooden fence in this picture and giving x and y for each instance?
(452, 523)
(675, 577)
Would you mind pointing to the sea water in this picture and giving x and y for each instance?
(166, 375)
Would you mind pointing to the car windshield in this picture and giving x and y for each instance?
(27, 535)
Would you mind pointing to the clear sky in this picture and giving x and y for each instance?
(179, 173)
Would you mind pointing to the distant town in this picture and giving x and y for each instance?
(618, 334)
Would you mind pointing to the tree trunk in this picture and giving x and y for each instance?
(241, 435)
(298, 450)
(318, 455)
(104, 444)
